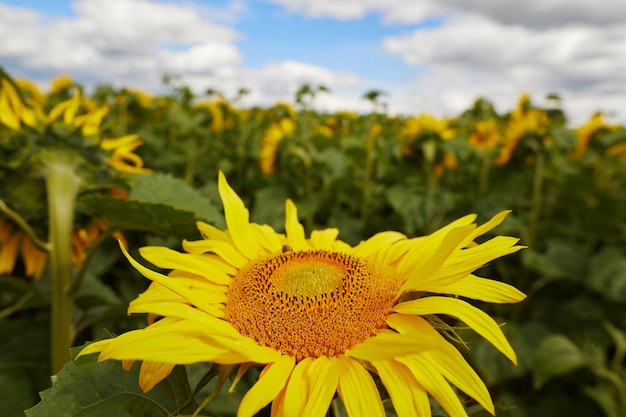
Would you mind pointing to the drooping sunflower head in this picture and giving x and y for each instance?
(320, 316)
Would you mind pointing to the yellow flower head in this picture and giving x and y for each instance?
(448, 162)
(427, 124)
(11, 243)
(585, 132)
(60, 84)
(123, 159)
(486, 135)
(270, 142)
(11, 105)
(317, 314)
(532, 121)
(32, 90)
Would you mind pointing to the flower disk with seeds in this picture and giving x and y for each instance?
(311, 303)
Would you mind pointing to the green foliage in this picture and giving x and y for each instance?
(85, 387)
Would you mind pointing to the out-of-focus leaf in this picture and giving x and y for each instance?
(493, 367)
(604, 395)
(136, 215)
(410, 204)
(24, 358)
(165, 189)
(556, 356)
(607, 274)
(562, 260)
(86, 387)
(269, 206)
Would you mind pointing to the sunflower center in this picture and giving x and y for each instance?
(311, 303)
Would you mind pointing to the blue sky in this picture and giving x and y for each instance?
(434, 56)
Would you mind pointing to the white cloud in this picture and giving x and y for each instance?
(584, 63)
(576, 49)
(135, 42)
(117, 40)
(405, 11)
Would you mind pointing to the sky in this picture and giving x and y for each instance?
(427, 56)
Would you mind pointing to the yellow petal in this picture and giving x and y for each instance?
(8, 253)
(267, 237)
(297, 389)
(374, 244)
(385, 346)
(211, 232)
(439, 234)
(278, 405)
(357, 389)
(407, 395)
(490, 224)
(157, 293)
(237, 219)
(180, 310)
(225, 250)
(324, 239)
(95, 347)
(423, 261)
(472, 316)
(271, 381)
(446, 360)
(170, 259)
(293, 228)
(168, 282)
(487, 251)
(436, 385)
(483, 289)
(323, 377)
(151, 373)
(8, 116)
(451, 364)
(178, 344)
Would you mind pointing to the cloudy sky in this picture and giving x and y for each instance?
(434, 56)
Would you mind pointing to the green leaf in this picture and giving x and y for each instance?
(562, 259)
(556, 356)
(493, 367)
(410, 205)
(86, 387)
(17, 391)
(269, 206)
(24, 361)
(165, 189)
(607, 274)
(136, 215)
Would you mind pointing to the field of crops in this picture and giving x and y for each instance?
(80, 171)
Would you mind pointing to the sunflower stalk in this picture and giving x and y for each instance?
(62, 189)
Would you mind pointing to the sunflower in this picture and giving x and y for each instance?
(319, 316)
(270, 142)
(123, 158)
(14, 241)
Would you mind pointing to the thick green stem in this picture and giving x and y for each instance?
(62, 188)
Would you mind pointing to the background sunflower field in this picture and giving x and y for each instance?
(79, 171)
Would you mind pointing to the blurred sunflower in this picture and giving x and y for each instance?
(533, 122)
(272, 137)
(585, 133)
(13, 242)
(486, 135)
(318, 315)
(123, 159)
(61, 84)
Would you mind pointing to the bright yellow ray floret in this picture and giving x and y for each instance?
(318, 315)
